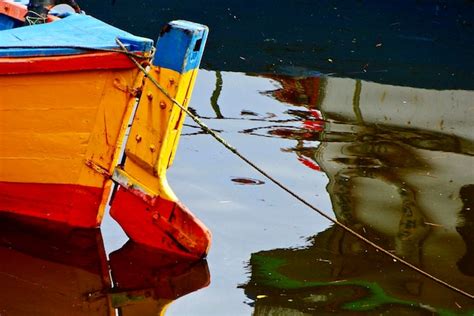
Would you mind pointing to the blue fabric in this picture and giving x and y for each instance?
(6, 22)
(76, 30)
(180, 46)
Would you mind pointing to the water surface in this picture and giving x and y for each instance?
(394, 163)
(373, 127)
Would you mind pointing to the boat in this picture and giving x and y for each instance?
(88, 122)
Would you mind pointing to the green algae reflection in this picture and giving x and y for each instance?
(318, 279)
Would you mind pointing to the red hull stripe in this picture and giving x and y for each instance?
(92, 61)
(73, 205)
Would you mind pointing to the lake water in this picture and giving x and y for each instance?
(381, 139)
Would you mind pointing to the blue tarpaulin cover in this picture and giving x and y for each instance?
(66, 37)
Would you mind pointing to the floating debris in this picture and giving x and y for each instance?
(433, 224)
(247, 112)
(247, 181)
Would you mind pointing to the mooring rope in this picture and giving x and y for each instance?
(33, 18)
(222, 141)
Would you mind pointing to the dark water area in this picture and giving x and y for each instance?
(381, 139)
(426, 44)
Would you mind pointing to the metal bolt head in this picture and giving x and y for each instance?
(162, 105)
(152, 148)
(149, 96)
(138, 138)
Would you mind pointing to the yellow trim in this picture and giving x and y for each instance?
(156, 129)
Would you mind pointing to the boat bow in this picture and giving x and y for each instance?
(105, 122)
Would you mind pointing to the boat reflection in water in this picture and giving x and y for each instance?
(401, 172)
(47, 269)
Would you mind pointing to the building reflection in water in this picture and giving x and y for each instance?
(51, 270)
(400, 167)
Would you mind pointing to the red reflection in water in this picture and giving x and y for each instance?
(309, 163)
(46, 269)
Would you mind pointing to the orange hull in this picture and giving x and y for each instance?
(55, 128)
